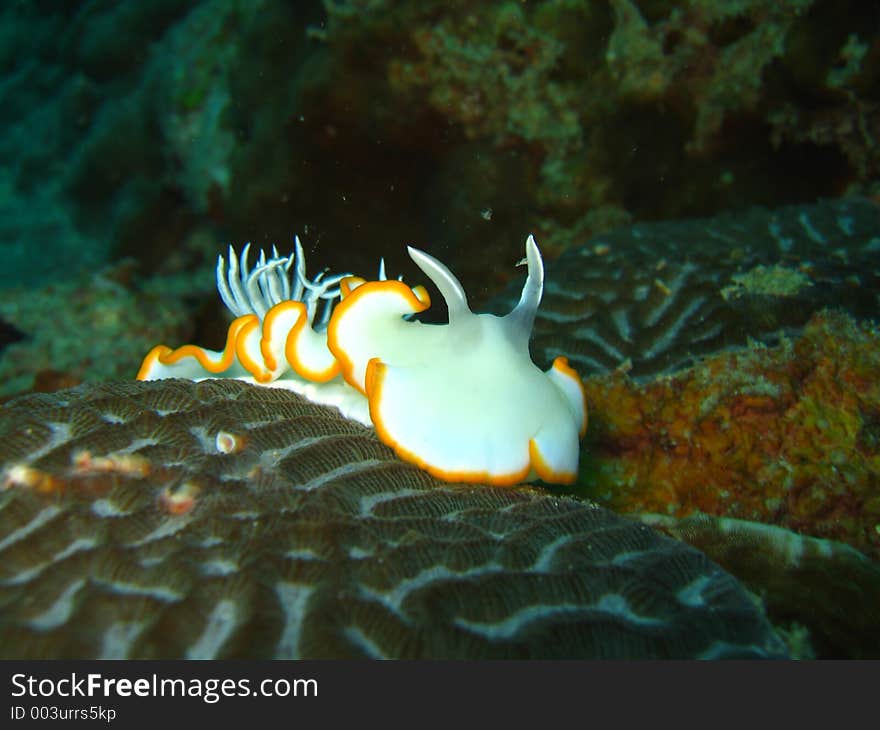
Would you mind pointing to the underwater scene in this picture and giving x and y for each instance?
(520, 329)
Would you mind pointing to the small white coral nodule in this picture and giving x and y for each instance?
(463, 400)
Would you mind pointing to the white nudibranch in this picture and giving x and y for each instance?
(463, 400)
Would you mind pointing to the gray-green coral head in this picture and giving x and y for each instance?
(221, 520)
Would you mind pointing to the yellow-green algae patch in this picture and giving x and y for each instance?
(773, 281)
(788, 436)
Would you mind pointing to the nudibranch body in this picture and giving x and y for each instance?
(462, 400)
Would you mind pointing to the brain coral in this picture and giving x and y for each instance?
(654, 297)
(827, 587)
(216, 519)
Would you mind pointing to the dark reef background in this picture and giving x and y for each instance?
(162, 131)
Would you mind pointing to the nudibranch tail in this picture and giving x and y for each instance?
(279, 330)
(462, 400)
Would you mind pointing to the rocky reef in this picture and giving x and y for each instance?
(729, 349)
(127, 126)
(734, 365)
